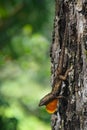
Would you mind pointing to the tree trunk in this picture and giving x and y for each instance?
(71, 115)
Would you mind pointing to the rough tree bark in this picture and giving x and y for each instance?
(71, 115)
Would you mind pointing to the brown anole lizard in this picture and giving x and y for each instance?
(51, 99)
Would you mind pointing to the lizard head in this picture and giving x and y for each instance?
(50, 102)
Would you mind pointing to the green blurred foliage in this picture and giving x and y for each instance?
(25, 36)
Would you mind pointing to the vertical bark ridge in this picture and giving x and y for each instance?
(75, 117)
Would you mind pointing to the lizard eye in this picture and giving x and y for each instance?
(52, 106)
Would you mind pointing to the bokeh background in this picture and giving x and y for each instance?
(25, 39)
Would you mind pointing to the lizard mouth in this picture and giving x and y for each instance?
(47, 99)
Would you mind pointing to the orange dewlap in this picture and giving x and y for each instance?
(51, 107)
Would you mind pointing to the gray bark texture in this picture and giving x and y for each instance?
(71, 115)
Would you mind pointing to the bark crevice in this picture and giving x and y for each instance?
(71, 116)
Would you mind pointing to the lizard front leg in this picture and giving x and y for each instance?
(64, 77)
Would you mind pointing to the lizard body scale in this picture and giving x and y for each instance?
(56, 87)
